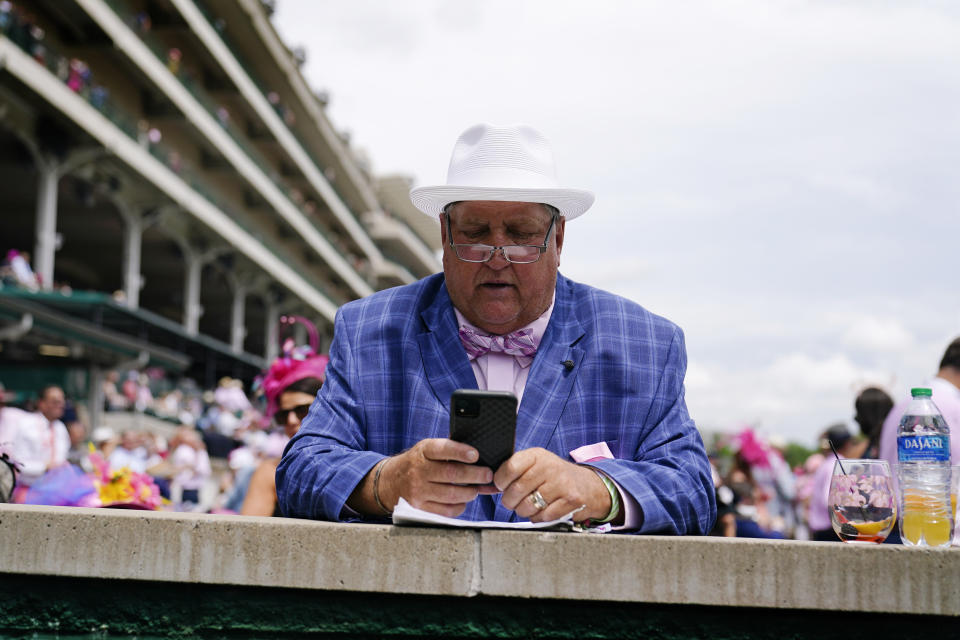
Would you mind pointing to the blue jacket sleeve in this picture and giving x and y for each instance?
(670, 474)
(325, 461)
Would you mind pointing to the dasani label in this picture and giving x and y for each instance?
(923, 448)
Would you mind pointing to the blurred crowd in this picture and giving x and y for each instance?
(161, 443)
(174, 456)
(21, 27)
(767, 488)
(16, 272)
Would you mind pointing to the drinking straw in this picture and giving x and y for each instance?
(844, 472)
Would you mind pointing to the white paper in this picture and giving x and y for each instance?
(404, 514)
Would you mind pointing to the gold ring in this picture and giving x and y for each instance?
(537, 499)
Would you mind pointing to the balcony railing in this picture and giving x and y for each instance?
(168, 56)
(80, 79)
(264, 90)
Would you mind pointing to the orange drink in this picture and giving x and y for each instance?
(925, 521)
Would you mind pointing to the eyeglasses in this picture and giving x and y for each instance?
(515, 253)
(282, 416)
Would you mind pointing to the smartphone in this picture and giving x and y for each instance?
(487, 421)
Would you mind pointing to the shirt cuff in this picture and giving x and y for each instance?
(632, 513)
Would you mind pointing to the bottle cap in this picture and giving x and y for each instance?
(917, 392)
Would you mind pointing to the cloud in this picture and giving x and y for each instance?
(699, 378)
(801, 372)
(871, 333)
(617, 272)
(795, 395)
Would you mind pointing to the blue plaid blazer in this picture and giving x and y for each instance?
(396, 357)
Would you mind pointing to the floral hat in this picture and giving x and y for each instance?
(294, 364)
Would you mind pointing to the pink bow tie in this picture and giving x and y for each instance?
(519, 344)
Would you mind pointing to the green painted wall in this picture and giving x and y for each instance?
(26, 380)
(38, 606)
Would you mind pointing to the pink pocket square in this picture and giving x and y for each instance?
(591, 452)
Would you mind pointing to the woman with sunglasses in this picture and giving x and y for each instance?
(290, 385)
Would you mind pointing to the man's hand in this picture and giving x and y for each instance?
(564, 486)
(435, 475)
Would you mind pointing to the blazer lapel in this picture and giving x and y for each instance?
(553, 373)
(444, 360)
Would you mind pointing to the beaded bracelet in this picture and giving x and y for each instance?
(376, 488)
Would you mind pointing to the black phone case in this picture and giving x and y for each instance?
(491, 430)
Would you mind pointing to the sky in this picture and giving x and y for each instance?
(779, 178)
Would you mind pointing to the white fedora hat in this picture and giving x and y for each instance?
(509, 164)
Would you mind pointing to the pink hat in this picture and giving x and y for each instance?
(753, 450)
(294, 364)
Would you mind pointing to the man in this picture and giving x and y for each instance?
(77, 431)
(191, 464)
(38, 441)
(602, 421)
(946, 395)
(130, 452)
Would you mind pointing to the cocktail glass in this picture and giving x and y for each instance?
(862, 503)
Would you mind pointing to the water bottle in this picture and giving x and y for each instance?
(923, 451)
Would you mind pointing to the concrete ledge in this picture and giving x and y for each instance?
(235, 550)
(732, 572)
(278, 552)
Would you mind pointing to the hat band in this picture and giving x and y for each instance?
(502, 177)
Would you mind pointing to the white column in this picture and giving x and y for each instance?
(271, 336)
(46, 230)
(95, 396)
(132, 244)
(238, 329)
(191, 294)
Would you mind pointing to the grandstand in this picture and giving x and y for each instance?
(178, 187)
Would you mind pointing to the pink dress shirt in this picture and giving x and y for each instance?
(503, 372)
